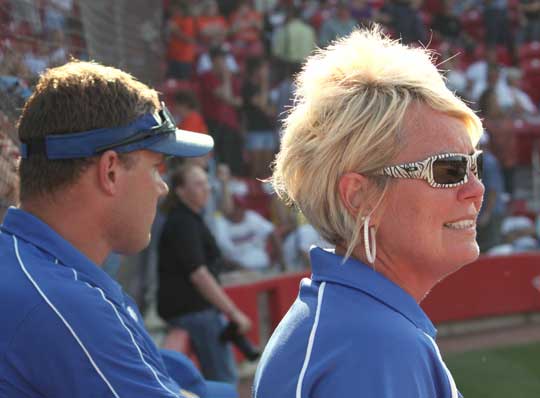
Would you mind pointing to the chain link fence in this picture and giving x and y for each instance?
(39, 34)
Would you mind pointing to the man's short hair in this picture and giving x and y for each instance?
(76, 97)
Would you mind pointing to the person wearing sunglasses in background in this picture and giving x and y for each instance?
(93, 141)
(380, 157)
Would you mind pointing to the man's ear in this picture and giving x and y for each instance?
(352, 188)
(109, 169)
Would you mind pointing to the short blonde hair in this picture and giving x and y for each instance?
(349, 111)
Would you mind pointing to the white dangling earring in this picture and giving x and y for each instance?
(369, 233)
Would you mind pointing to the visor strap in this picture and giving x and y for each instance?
(35, 146)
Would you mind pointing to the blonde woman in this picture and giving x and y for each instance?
(380, 157)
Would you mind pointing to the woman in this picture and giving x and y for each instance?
(380, 157)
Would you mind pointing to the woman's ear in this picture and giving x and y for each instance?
(352, 187)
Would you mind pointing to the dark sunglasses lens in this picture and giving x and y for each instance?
(450, 170)
(480, 166)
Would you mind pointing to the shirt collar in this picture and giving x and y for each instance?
(328, 266)
(31, 229)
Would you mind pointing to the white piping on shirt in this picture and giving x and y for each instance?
(23, 267)
(310, 341)
(453, 388)
(132, 338)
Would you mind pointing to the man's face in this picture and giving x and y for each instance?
(196, 191)
(135, 209)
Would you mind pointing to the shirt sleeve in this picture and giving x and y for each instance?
(223, 238)
(84, 348)
(260, 224)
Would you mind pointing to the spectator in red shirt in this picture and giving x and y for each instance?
(186, 108)
(220, 99)
(182, 44)
(246, 29)
(213, 27)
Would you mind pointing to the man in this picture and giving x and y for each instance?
(189, 265)
(493, 208)
(243, 235)
(93, 141)
(295, 40)
(340, 25)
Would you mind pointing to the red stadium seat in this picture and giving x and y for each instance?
(519, 207)
(529, 51)
(524, 135)
(256, 198)
(473, 24)
(172, 86)
(503, 56)
(531, 78)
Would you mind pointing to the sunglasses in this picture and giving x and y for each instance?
(446, 170)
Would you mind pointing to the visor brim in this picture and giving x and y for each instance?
(183, 143)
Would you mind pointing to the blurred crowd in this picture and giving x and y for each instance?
(229, 71)
(235, 60)
(34, 35)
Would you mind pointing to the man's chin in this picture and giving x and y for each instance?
(135, 248)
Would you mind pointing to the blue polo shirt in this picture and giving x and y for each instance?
(66, 328)
(352, 333)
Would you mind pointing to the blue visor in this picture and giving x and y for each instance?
(184, 372)
(153, 132)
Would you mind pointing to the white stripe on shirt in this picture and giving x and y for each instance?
(311, 340)
(96, 367)
(132, 339)
(453, 388)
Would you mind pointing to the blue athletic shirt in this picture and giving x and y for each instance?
(352, 333)
(66, 328)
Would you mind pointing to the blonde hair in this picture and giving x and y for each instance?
(349, 110)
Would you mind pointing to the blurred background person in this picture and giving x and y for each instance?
(186, 109)
(494, 204)
(294, 40)
(9, 176)
(182, 41)
(259, 117)
(221, 103)
(189, 263)
(340, 24)
(247, 239)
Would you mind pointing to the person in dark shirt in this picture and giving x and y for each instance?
(189, 263)
(259, 116)
(529, 21)
(447, 25)
(404, 20)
